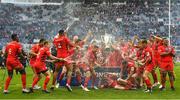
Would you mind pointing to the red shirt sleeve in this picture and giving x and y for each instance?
(160, 50)
(55, 41)
(48, 52)
(71, 51)
(34, 48)
(68, 42)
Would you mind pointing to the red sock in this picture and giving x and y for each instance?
(86, 81)
(78, 77)
(148, 83)
(8, 80)
(23, 79)
(35, 82)
(61, 77)
(69, 80)
(46, 81)
(154, 75)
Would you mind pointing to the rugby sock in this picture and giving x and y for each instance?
(172, 83)
(171, 78)
(46, 81)
(163, 79)
(23, 79)
(78, 77)
(154, 75)
(54, 78)
(69, 80)
(35, 82)
(61, 77)
(161, 76)
(8, 80)
(86, 81)
(69, 75)
(148, 83)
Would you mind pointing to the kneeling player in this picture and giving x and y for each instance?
(111, 81)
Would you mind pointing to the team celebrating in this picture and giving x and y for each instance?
(138, 59)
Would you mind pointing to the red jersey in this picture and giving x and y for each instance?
(139, 54)
(124, 51)
(165, 49)
(73, 51)
(35, 48)
(44, 52)
(13, 49)
(89, 57)
(148, 53)
(132, 54)
(62, 43)
(155, 47)
(114, 59)
(75, 55)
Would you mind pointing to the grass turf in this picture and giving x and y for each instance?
(62, 93)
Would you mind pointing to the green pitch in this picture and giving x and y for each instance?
(62, 93)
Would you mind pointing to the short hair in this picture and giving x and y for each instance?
(78, 40)
(144, 41)
(164, 38)
(95, 46)
(46, 42)
(61, 31)
(158, 35)
(41, 40)
(14, 36)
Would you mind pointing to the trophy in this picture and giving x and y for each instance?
(107, 40)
